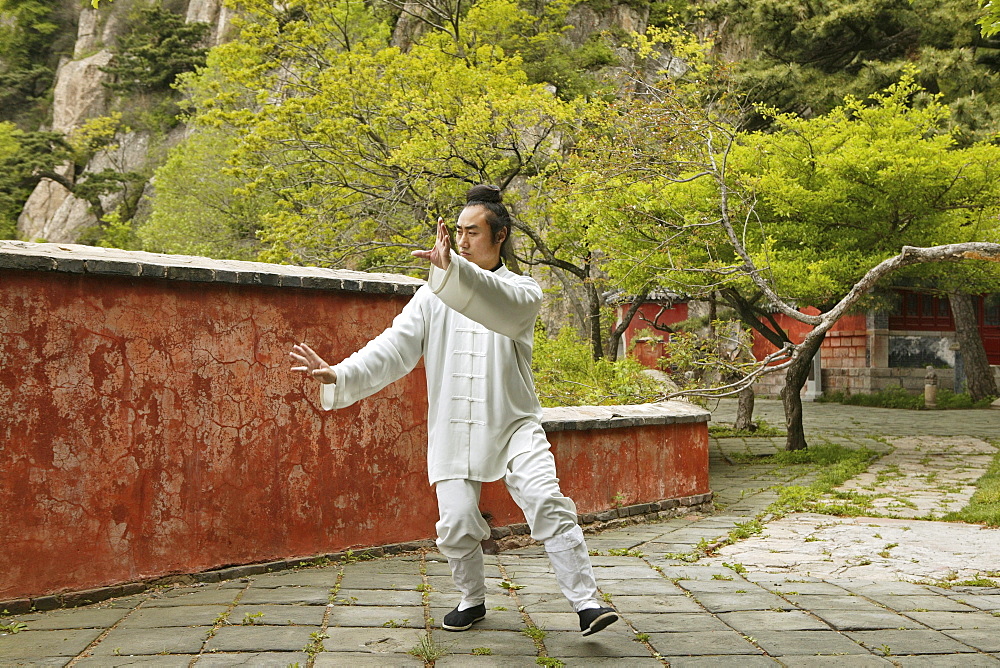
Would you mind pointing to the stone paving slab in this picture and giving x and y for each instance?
(673, 622)
(342, 659)
(938, 661)
(379, 597)
(152, 641)
(261, 639)
(378, 616)
(734, 585)
(657, 604)
(382, 582)
(957, 620)
(792, 620)
(496, 620)
(866, 620)
(732, 602)
(637, 587)
(615, 641)
(185, 615)
(985, 640)
(277, 615)
(373, 641)
(921, 603)
(193, 597)
(701, 643)
(309, 577)
(721, 661)
(909, 642)
(806, 643)
(173, 661)
(500, 661)
(254, 659)
(512, 642)
(288, 595)
(73, 618)
(832, 602)
(41, 644)
(984, 602)
(855, 661)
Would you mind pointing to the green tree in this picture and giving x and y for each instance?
(199, 208)
(158, 47)
(799, 215)
(25, 159)
(626, 149)
(33, 36)
(803, 57)
(990, 20)
(361, 145)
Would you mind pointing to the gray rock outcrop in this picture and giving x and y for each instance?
(80, 93)
(52, 213)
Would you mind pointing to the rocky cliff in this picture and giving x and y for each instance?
(52, 213)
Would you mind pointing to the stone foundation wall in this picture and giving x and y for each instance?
(867, 381)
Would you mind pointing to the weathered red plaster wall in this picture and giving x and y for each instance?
(151, 427)
(601, 468)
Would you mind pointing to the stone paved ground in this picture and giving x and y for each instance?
(805, 599)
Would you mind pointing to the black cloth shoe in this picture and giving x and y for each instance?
(460, 620)
(593, 620)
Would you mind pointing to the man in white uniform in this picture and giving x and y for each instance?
(473, 323)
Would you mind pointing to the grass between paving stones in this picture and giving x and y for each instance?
(427, 649)
(984, 506)
(762, 429)
(833, 465)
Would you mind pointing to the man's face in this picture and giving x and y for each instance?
(474, 239)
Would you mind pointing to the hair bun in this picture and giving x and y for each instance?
(483, 193)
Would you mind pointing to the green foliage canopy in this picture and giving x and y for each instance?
(158, 47)
(806, 56)
(25, 157)
(817, 202)
(33, 35)
(361, 145)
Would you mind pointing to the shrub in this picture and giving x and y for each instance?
(566, 374)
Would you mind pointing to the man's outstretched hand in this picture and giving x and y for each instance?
(311, 364)
(440, 255)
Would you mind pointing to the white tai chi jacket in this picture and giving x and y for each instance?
(475, 331)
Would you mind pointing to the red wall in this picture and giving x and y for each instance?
(152, 427)
(649, 353)
(845, 344)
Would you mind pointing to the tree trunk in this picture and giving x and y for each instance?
(594, 321)
(744, 410)
(978, 374)
(795, 378)
(611, 349)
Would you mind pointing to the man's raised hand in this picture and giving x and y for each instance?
(440, 254)
(311, 364)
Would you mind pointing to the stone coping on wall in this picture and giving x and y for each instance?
(78, 259)
(569, 418)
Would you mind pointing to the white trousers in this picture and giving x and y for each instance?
(532, 483)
